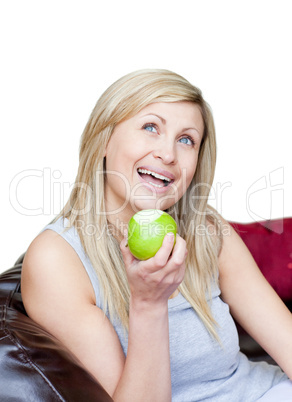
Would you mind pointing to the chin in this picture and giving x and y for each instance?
(138, 205)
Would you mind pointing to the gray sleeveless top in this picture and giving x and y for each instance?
(201, 369)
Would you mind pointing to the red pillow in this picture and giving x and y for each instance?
(270, 243)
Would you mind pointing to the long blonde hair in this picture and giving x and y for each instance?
(86, 206)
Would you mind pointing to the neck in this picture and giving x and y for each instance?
(116, 227)
(118, 221)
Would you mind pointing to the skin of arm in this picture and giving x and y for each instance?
(253, 302)
(58, 294)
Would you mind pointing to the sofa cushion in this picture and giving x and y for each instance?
(270, 243)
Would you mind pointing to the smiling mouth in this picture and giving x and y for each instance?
(153, 178)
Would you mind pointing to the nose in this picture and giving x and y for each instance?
(166, 151)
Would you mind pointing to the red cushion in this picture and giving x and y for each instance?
(270, 243)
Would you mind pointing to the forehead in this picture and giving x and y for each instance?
(186, 113)
(183, 107)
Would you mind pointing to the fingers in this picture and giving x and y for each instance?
(170, 263)
(158, 277)
(180, 251)
(163, 254)
(167, 251)
(169, 257)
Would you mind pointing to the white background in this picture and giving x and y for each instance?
(57, 57)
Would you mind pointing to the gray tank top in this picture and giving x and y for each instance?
(201, 369)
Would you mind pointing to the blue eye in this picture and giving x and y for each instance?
(187, 141)
(150, 127)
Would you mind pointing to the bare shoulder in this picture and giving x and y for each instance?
(234, 257)
(51, 265)
(229, 236)
(235, 260)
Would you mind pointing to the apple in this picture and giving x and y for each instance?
(146, 231)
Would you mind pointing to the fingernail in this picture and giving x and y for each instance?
(170, 236)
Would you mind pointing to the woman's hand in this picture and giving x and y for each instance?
(154, 280)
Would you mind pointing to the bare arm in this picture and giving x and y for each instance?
(58, 295)
(253, 302)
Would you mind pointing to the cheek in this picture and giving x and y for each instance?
(120, 166)
(115, 157)
(190, 167)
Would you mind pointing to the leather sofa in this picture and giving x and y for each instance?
(35, 367)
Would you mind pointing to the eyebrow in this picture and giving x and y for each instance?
(159, 117)
(164, 122)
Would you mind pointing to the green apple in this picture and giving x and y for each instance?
(146, 231)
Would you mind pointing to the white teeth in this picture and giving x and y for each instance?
(156, 185)
(158, 176)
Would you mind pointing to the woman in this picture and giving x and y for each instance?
(158, 329)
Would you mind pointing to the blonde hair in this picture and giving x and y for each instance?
(122, 100)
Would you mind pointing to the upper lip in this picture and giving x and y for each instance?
(159, 171)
